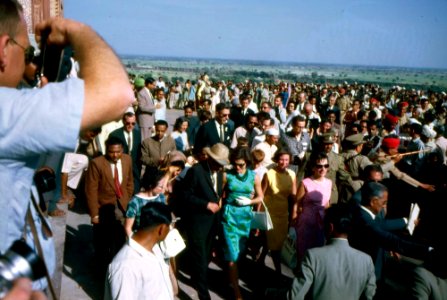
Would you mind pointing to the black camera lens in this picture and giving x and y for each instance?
(19, 261)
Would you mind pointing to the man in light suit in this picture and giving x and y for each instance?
(335, 271)
(430, 279)
(215, 131)
(130, 134)
(146, 106)
(108, 188)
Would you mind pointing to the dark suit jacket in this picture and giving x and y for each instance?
(198, 191)
(100, 186)
(370, 237)
(208, 135)
(237, 117)
(135, 153)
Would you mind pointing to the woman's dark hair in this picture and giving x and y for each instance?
(178, 163)
(280, 153)
(154, 214)
(151, 178)
(179, 122)
(317, 157)
(241, 153)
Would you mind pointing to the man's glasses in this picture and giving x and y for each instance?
(318, 166)
(29, 51)
(130, 123)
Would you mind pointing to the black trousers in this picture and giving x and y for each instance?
(109, 235)
(200, 237)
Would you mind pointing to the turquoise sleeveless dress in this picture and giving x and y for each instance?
(236, 220)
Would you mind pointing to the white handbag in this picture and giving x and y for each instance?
(261, 219)
(173, 244)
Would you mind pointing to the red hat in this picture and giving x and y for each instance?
(401, 105)
(392, 119)
(374, 100)
(391, 142)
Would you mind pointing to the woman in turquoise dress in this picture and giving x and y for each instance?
(242, 189)
(153, 184)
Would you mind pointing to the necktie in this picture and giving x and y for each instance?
(222, 133)
(118, 191)
(129, 143)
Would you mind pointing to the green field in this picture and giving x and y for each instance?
(188, 68)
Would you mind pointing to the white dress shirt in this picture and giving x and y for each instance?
(136, 273)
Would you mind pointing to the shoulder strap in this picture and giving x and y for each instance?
(32, 225)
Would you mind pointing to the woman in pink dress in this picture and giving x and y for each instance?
(312, 199)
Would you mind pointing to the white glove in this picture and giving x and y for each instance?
(301, 155)
(243, 201)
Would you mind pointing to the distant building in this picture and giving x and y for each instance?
(35, 11)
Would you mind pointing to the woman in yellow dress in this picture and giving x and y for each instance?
(278, 186)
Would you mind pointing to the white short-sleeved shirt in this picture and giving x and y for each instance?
(136, 273)
(33, 122)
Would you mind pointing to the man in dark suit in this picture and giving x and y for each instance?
(239, 113)
(335, 271)
(108, 188)
(371, 237)
(202, 194)
(130, 136)
(215, 131)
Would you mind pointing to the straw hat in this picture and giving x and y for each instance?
(219, 152)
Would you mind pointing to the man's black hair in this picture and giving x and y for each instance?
(154, 214)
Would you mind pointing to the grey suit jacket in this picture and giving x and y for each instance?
(427, 286)
(335, 271)
(146, 108)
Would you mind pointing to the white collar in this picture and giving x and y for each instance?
(373, 216)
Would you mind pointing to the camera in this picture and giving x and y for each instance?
(54, 61)
(19, 261)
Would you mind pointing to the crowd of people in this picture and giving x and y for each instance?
(339, 168)
(298, 149)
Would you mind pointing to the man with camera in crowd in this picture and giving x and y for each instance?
(48, 119)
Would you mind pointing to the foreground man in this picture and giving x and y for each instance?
(335, 271)
(48, 120)
(139, 270)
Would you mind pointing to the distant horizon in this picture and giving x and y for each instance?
(253, 61)
(379, 33)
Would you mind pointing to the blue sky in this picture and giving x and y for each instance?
(409, 33)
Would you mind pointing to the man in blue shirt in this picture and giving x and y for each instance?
(46, 120)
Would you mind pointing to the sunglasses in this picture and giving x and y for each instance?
(130, 123)
(29, 51)
(318, 166)
(239, 165)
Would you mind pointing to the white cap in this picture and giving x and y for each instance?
(272, 131)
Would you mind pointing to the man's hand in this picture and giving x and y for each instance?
(396, 158)
(61, 30)
(22, 290)
(428, 187)
(95, 220)
(213, 207)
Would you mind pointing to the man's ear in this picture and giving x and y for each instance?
(3, 51)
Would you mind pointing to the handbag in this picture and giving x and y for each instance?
(173, 244)
(261, 219)
(288, 250)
